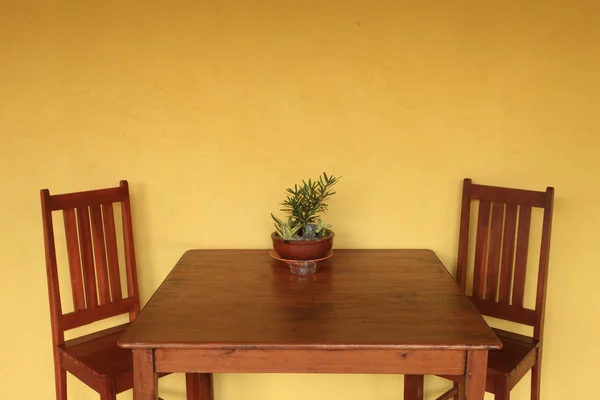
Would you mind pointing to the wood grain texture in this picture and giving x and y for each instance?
(517, 356)
(85, 198)
(87, 256)
(506, 367)
(199, 386)
(130, 261)
(90, 315)
(507, 312)
(112, 255)
(449, 394)
(144, 377)
(92, 252)
(413, 387)
(464, 232)
(519, 353)
(506, 195)
(358, 299)
(100, 253)
(495, 249)
(76, 275)
(508, 254)
(364, 311)
(339, 361)
(521, 256)
(475, 375)
(481, 249)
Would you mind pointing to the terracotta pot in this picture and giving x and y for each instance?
(303, 249)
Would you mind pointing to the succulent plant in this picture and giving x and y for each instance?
(303, 205)
(286, 228)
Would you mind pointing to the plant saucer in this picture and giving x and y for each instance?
(276, 256)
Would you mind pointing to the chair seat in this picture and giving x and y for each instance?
(512, 362)
(515, 358)
(96, 357)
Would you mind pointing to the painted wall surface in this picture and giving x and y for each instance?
(212, 108)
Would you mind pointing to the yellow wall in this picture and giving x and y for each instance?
(212, 108)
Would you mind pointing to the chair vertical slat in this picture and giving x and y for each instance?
(112, 252)
(481, 245)
(521, 255)
(491, 291)
(87, 257)
(100, 254)
(508, 253)
(74, 259)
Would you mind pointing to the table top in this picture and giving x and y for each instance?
(357, 299)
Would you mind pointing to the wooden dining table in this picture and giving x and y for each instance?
(363, 311)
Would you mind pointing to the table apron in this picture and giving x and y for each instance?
(366, 361)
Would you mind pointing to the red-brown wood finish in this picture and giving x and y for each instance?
(199, 386)
(413, 387)
(92, 254)
(363, 311)
(303, 249)
(500, 270)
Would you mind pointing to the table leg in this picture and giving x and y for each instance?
(413, 387)
(475, 376)
(144, 377)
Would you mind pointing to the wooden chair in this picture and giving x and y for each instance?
(95, 279)
(500, 266)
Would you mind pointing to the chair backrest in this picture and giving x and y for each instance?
(501, 249)
(92, 248)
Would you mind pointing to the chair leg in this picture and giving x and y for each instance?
(108, 391)
(461, 389)
(536, 376)
(502, 391)
(413, 387)
(60, 380)
(199, 386)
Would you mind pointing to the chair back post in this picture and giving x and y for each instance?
(463, 243)
(540, 303)
(51, 270)
(130, 261)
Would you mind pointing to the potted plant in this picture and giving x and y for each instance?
(302, 235)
